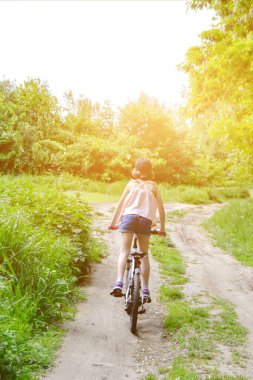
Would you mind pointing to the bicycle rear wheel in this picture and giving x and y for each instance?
(129, 262)
(135, 302)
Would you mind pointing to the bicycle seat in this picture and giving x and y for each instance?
(137, 254)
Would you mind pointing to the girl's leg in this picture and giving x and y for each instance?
(143, 242)
(126, 242)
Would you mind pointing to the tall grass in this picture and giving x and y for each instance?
(112, 191)
(37, 288)
(232, 229)
(201, 195)
(45, 245)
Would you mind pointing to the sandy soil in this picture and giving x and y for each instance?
(98, 345)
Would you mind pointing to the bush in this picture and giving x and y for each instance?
(45, 245)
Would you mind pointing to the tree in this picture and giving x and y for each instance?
(156, 129)
(7, 121)
(220, 99)
(84, 117)
(37, 107)
(234, 16)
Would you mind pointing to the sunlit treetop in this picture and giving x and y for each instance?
(233, 15)
(220, 71)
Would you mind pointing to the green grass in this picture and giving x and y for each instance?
(168, 293)
(201, 195)
(171, 263)
(199, 327)
(180, 370)
(218, 376)
(150, 376)
(37, 289)
(98, 197)
(181, 314)
(201, 333)
(98, 191)
(175, 215)
(232, 229)
(46, 245)
(181, 194)
(227, 330)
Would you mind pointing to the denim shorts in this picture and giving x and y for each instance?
(135, 223)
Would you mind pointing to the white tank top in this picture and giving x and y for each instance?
(140, 201)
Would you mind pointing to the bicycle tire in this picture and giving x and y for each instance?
(127, 274)
(135, 302)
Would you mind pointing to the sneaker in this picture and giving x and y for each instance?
(146, 296)
(117, 289)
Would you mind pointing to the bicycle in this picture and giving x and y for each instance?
(133, 300)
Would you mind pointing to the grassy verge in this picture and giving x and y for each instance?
(201, 195)
(101, 191)
(232, 229)
(203, 333)
(46, 245)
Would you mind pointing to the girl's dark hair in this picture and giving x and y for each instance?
(143, 169)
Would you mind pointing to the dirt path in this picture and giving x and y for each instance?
(213, 271)
(99, 345)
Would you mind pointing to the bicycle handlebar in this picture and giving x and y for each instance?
(156, 232)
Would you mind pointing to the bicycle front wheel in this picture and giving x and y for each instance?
(135, 302)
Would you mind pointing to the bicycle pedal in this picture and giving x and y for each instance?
(117, 293)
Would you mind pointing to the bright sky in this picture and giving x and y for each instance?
(104, 50)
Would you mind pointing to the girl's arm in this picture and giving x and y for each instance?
(160, 210)
(118, 209)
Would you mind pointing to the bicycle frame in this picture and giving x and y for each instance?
(133, 299)
(133, 267)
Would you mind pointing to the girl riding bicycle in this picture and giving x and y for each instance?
(136, 212)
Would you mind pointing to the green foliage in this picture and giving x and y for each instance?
(66, 215)
(232, 229)
(45, 153)
(38, 135)
(220, 106)
(236, 16)
(45, 246)
(7, 122)
(37, 288)
(93, 157)
(28, 121)
(156, 130)
(37, 107)
(86, 118)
